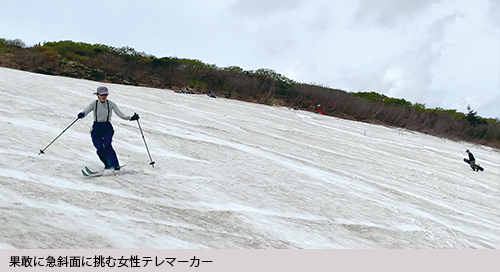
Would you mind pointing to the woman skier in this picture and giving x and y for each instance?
(102, 130)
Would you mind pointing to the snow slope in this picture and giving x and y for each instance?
(230, 174)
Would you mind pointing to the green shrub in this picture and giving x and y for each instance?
(127, 66)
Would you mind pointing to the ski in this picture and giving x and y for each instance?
(90, 171)
(87, 173)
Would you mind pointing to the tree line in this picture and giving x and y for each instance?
(127, 66)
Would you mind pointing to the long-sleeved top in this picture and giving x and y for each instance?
(471, 157)
(104, 111)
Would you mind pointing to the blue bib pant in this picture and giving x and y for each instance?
(102, 135)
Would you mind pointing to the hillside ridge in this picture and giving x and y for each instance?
(126, 66)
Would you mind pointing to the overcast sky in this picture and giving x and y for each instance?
(443, 53)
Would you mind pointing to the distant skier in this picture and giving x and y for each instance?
(318, 109)
(102, 130)
(472, 161)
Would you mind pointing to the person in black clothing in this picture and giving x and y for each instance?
(472, 160)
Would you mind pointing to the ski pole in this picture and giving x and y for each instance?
(42, 150)
(152, 163)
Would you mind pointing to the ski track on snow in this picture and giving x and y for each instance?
(230, 174)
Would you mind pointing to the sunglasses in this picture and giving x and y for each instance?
(103, 94)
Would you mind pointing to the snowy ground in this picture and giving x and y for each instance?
(230, 174)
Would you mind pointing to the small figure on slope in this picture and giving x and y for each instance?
(318, 109)
(472, 162)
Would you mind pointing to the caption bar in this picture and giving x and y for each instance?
(133, 261)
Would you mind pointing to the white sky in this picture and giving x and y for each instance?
(444, 53)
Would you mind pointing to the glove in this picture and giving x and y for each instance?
(134, 117)
(81, 115)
